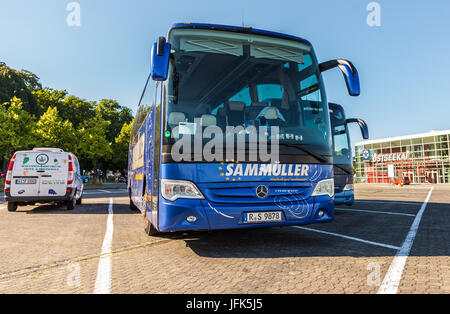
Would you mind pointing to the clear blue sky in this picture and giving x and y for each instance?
(404, 64)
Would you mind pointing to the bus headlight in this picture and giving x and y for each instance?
(324, 187)
(172, 190)
(349, 187)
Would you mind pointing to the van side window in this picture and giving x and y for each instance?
(77, 164)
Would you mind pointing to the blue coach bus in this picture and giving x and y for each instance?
(195, 158)
(342, 149)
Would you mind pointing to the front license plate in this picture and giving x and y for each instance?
(262, 217)
(26, 181)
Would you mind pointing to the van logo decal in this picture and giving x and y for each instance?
(51, 192)
(25, 160)
(42, 159)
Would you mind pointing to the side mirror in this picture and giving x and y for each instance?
(362, 125)
(160, 59)
(350, 74)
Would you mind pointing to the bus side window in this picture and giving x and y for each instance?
(144, 107)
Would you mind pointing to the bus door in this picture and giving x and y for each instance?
(152, 210)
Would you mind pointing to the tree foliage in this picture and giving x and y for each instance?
(16, 128)
(16, 84)
(52, 131)
(120, 147)
(32, 116)
(117, 115)
(93, 143)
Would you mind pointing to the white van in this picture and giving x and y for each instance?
(43, 175)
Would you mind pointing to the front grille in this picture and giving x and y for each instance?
(245, 192)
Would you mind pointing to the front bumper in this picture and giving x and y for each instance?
(40, 199)
(345, 198)
(211, 216)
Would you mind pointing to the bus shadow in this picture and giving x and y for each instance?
(273, 243)
(430, 240)
(83, 209)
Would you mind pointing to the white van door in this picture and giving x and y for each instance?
(42, 174)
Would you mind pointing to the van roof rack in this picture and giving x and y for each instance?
(42, 149)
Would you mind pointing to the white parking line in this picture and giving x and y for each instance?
(350, 238)
(387, 202)
(394, 275)
(91, 192)
(103, 281)
(373, 212)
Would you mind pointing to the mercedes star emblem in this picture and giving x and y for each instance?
(262, 191)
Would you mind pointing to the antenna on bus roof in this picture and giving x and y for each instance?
(243, 25)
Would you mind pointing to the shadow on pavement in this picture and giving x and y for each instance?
(83, 209)
(431, 239)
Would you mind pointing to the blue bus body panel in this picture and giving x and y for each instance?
(228, 198)
(143, 174)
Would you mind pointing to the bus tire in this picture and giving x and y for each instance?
(12, 207)
(150, 229)
(133, 207)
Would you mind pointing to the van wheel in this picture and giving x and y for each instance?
(151, 230)
(71, 204)
(12, 207)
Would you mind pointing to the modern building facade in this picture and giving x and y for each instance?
(421, 158)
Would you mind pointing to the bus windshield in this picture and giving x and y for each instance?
(341, 140)
(230, 79)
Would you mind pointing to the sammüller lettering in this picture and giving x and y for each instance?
(285, 170)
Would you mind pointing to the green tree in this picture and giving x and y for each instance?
(48, 97)
(93, 143)
(117, 115)
(34, 116)
(16, 84)
(71, 108)
(30, 79)
(53, 131)
(120, 148)
(16, 128)
(77, 110)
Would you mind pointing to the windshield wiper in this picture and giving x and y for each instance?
(318, 157)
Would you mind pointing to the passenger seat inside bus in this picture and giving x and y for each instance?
(273, 117)
(222, 118)
(235, 113)
(252, 112)
(175, 118)
(208, 120)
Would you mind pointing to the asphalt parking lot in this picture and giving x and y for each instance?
(393, 240)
